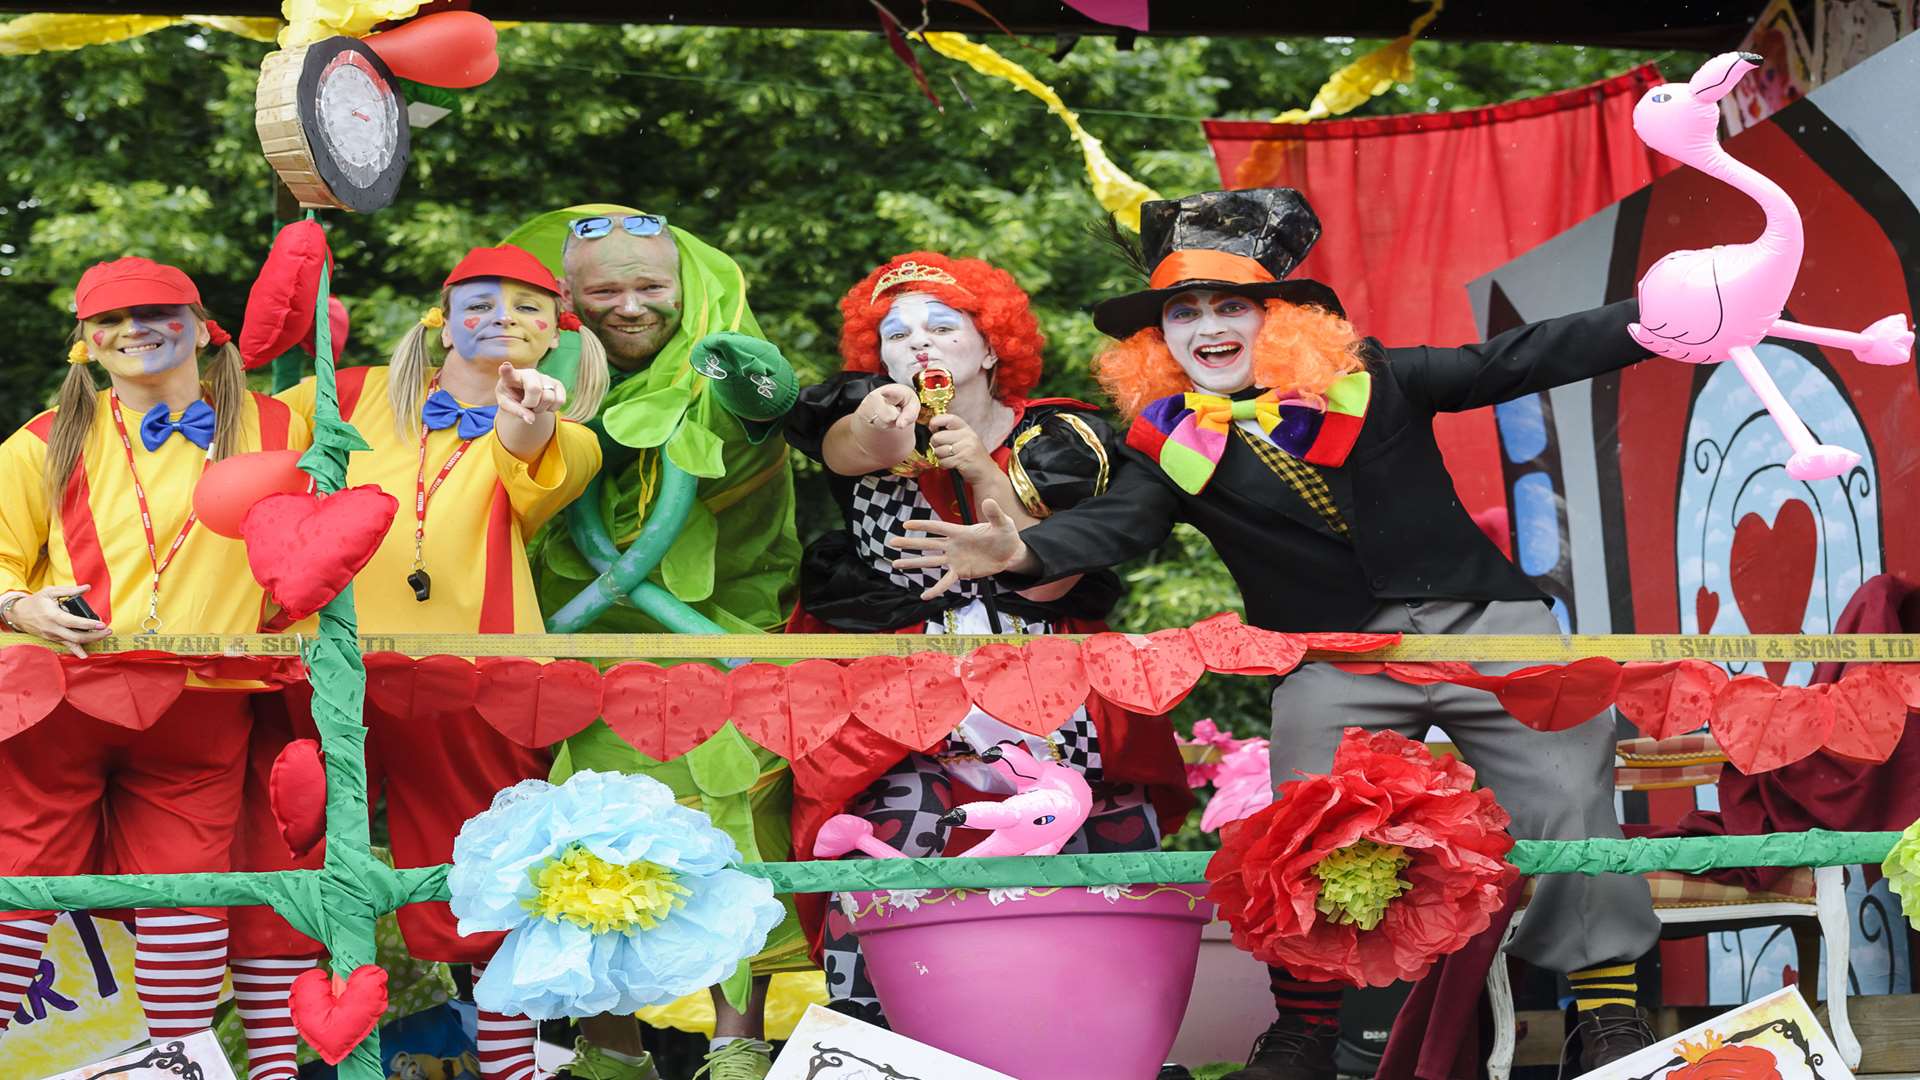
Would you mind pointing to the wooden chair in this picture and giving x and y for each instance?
(1810, 902)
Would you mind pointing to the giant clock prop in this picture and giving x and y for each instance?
(333, 124)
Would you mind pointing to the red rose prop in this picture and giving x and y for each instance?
(1367, 875)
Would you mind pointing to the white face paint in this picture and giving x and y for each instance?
(1211, 334)
(150, 339)
(919, 331)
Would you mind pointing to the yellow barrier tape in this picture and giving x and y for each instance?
(1118, 193)
(1528, 648)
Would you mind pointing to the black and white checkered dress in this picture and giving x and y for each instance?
(882, 505)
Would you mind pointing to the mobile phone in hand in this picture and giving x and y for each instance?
(77, 605)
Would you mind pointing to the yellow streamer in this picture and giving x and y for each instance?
(30, 34)
(309, 21)
(1344, 91)
(1118, 193)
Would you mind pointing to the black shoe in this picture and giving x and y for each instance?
(1610, 1033)
(1171, 1071)
(1292, 1049)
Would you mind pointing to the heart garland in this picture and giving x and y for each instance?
(132, 692)
(35, 683)
(535, 704)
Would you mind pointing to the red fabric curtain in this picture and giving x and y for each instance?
(1415, 207)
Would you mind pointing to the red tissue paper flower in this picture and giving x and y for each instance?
(1370, 874)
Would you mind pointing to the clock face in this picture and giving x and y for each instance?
(358, 117)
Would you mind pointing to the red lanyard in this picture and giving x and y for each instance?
(151, 624)
(423, 494)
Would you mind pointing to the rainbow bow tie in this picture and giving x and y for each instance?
(1187, 433)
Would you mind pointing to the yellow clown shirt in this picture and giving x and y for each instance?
(93, 535)
(477, 521)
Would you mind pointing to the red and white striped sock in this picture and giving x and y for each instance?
(179, 960)
(505, 1043)
(260, 990)
(22, 942)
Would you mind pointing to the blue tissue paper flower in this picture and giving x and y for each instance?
(614, 897)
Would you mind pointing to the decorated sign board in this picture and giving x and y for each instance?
(196, 1057)
(1774, 1038)
(333, 124)
(829, 1046)
(80, 1005)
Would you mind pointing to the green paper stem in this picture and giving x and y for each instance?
(1699, 854)
(738, 987)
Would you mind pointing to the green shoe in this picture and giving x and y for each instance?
(741, 1059)
(592, 1063)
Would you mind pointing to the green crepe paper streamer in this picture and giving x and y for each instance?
(1698, 854)
(738, 986)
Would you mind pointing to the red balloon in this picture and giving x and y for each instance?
(454, 49)
(230, 487)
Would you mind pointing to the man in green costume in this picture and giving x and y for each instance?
(651, 292)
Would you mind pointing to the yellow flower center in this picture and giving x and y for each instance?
(598, 896)
(1358, 881)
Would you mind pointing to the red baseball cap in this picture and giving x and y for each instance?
(130, 282)
(505, 261)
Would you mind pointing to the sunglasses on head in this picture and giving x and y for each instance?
(593, 228)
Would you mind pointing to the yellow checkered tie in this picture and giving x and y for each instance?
(1303, 478)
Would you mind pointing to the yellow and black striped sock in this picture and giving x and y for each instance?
(1610, 985)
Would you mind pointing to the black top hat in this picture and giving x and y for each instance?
(1244, 242)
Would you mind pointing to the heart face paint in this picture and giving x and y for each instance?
(145, 340)
(495, 319)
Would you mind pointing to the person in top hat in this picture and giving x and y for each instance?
(1306, 454)
(960, 335)
(480, 449)
(98, 537)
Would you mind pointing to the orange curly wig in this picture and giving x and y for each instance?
(1300, 349)
(988, 294)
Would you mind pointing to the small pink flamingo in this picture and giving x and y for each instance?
(1703, 307)
(1049, 804)
(1242, 787)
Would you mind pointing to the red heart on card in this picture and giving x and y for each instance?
(297, 794)
(630, 702)
(535, 704)
(1231, 647)
(1148, 675)
(880, 694)
(1555, 698)
(694, 703)
(132, 692)
(1868, 716)
(35, 684)
(1762, 726)
(305, 548)
(334, 1014)
(1664, 700)
(1771, 566)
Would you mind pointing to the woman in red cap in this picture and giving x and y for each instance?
(483, 449)
(97, 538)
(964, 330)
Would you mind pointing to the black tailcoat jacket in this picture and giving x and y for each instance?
(1410, 537)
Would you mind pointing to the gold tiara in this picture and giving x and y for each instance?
(910, 271)
(1692, 1052)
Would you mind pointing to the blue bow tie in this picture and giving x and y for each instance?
(442, 411)
(195, 425)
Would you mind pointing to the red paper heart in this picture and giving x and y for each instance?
(305, 548)
(880, 695)
(132, 692)
(1664, 700)
(631, 705)
(1905, 680)
(535, 704)
(35, 684)
(694, 703)
(334, 1015)
(1148, 675)
(940, 699)
(297, 794)
(1868, 716)
(789, 710)
(1706, 608)
(1762, 726)
(402, 688)
(759, 695)
(997, 678)
(1231, 647)
(1349, 642)
(816, 703)
(1555, 698)
(1771, 567)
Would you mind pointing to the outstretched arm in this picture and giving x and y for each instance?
(1524, 360)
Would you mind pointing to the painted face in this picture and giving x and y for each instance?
(1211, 334)
(626, 289)
(144, 340)
(920, 330)
(495, 319)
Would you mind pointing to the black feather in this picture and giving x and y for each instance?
(1126, 245)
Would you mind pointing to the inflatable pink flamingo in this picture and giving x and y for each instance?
(1702, 307)
(1049, 804)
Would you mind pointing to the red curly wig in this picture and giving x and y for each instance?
(1299, 349)
(988, 294)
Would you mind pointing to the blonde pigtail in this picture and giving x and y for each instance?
(591, 381)
(72, 426)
